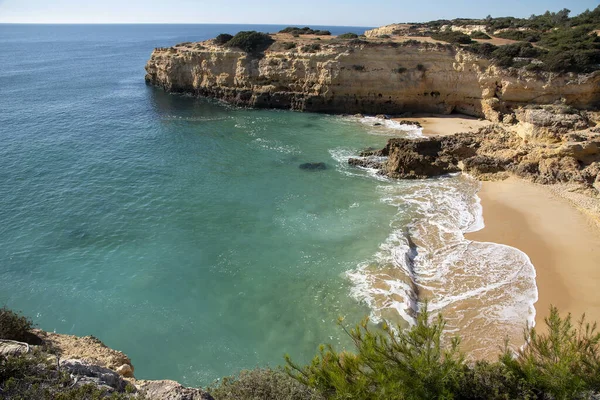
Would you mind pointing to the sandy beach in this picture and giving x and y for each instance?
(562, 243)
(435, 125)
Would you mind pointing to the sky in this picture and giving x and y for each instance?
(281, 12)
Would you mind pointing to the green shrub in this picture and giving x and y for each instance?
(360, 68)
(311, 48)
(289, 45)
(482, 49)
(251, 41)
(492, 381)
(400, 70)
(504, 55)
(526, 36)
(421, 67)
(223, 38)
(348, 35)
(564, 362)
(293, 30)
(452, 37)
(262, 384)
(479, 35)
(32, 376)
(410, 364)
(14, 326)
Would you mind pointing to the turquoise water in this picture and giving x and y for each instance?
(177, 230)
(182, 231)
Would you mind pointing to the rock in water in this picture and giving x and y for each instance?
(313, 166)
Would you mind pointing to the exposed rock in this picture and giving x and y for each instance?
(86, 348)
(315, 166)
(549, 123)
(85, 372)
(125, 370)
(491, 153)
(365, 162)
(12, 348)
(449, 79)
(405, 122)
(170, 390)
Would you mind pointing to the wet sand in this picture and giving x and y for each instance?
(435, 125)
(562, 243)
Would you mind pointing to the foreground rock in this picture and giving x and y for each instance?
(89, 361)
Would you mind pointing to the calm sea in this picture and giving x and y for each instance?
(183, 232)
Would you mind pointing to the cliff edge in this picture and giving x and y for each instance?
(326, 74)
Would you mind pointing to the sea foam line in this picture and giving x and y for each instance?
(485, 290)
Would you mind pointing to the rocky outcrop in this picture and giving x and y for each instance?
(365, 76)
(556, 151)
(89, 361)
(170, 390)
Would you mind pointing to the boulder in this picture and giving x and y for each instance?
(85, 373)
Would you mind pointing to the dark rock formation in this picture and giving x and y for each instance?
(315, 166)
(489, 154)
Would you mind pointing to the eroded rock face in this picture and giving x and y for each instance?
(85, 373)
(170, 390)
(492, 153)
(87, 348)
(365, 77)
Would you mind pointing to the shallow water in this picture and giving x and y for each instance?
(182, 232)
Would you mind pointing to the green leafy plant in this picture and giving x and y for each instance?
(452, 37)
(251, 41)
(223, 38)
(348, 35)
(563, 362)
(14, 326)
(388, 364)
(262, 384)
(479, 35)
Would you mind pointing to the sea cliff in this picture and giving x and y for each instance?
(366, 76)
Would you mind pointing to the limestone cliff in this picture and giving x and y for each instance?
(364, 76)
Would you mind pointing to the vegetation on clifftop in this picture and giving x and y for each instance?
(250, 41)
(292, 30)
(564, 44)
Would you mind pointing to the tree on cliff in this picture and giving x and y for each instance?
(251, 41)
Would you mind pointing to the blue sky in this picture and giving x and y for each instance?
(294, 12)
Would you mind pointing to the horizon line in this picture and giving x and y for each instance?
(184, 23)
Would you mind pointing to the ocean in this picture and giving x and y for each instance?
(182, 231)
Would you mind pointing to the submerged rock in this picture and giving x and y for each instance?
(315, 166)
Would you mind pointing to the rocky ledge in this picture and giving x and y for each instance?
(549, 145)
(89, 361)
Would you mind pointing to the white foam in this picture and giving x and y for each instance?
(485, 290)
(391, 127)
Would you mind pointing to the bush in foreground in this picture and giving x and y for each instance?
(14, 326)
(262, 384)
(415, 364)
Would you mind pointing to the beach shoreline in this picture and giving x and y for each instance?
(561, 242)
(444, 125)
